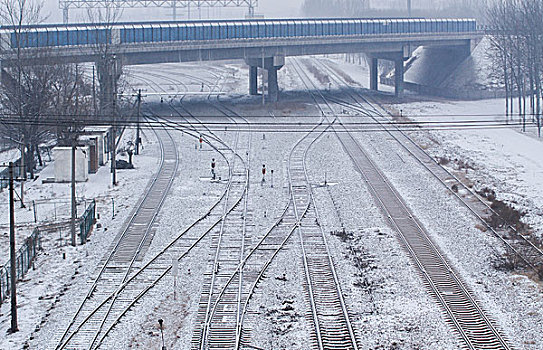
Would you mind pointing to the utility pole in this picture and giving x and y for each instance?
(74, 204)
(74, 143)
(22, 174)
(263, 95)
(94, 92)
(113, 77)
(13, 258)
(113, 151)
(138, 124)
(409, 8)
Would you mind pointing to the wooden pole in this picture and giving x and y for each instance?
(12, 256)
(138, 124)
(74, 204)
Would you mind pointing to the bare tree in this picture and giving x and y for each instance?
(72, 102)
(384, 8)
(515, 31)
(17, 14)
(108, 65)
(37, 91)
(109, 68)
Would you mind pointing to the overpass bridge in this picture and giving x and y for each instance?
(261, 43)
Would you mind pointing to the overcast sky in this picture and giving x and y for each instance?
(270, 8)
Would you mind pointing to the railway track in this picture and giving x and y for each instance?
(226, 297)
(219, 313)
(119, 298)
(332, 325)
(228, 243)
(473, 326)
(125, 253)
(521, 246)
(223, 323)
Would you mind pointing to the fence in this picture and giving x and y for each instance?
(87, 220)
(42, 211)
(24, 258)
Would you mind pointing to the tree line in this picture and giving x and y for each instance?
(391, 8)
(515, 28)
(31, 95)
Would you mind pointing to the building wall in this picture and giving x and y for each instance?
(63, 164)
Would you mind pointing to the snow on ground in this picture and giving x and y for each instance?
(472, 252)
(52, 291)
(388, 303)
(473, 255)
(189, 198)
(10, 155)
(505, 159)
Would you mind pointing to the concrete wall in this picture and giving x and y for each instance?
(63, 164)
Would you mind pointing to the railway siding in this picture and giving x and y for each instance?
(94, 313)
(475, 329)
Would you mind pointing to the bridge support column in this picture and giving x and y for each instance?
(273, 86)
(399, 70)
(374, 74)
(65, 18)
(253, 80)
(398, 77)
(272, 65)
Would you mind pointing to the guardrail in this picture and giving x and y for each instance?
(87, 220)
(24, 258)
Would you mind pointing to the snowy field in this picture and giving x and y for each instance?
(505, 159)
(389, 305)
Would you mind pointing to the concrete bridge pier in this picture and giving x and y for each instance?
(399, 70)
(273, 85)
(253, 80)
(109, 71)
(374, 73)
(272, 65)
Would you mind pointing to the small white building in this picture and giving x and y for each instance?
(102, 133)
(92, 142)
(63, 164)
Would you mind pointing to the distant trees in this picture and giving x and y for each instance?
(388, 8)
(516, 32)
(335, 8)
(108, 66)
(39, 98)
(17, 14)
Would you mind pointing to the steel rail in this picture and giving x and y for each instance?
(488, 207)
(360, 108)
(171, 244)
(300, 71)
(211, 312)
(216, 257)
(148, 228)
(114, 295)
(424, 267)
(208, 313)
(436, 258)
(141, 201)
(126, 283)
